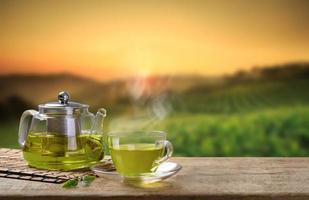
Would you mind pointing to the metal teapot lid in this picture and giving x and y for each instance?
(63, 106)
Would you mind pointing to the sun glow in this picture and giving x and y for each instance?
(106, 40)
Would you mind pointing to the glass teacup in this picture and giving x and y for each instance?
(138, 153)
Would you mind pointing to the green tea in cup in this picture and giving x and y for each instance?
(138, 153)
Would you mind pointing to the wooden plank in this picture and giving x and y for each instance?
(209, 178)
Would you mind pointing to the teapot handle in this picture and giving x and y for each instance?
(24, 125)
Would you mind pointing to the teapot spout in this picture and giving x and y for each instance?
(99, 119)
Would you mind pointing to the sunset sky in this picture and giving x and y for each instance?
(114, 39)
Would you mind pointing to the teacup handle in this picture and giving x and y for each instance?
(169, 151)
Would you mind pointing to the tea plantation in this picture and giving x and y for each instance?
(279, 132)
(258, 113)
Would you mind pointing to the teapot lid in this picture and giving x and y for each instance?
(63, 106)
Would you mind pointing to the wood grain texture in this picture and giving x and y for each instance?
(200, 178)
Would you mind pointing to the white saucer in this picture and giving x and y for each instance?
(164, 171)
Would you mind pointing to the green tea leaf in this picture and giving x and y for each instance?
(70, 183)
(84, 180)
(88, 179)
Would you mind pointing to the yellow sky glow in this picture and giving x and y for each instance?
(114, 39)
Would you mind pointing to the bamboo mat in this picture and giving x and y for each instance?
(12, 165)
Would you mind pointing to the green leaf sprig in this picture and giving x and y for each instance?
(74, 182)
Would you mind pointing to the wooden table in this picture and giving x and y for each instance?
(208, 178)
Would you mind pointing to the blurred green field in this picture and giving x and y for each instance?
(258, 113)
(9, 135)
(274, 132)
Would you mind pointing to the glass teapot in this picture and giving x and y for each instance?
(62, 135)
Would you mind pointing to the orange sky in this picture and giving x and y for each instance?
(112, 39)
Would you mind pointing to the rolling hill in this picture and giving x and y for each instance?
(261, 112)
(243, 91)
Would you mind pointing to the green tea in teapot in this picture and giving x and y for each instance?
(60, 152)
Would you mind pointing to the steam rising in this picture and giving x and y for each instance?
(149, 103)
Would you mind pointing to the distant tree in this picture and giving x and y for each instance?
(13, 107)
